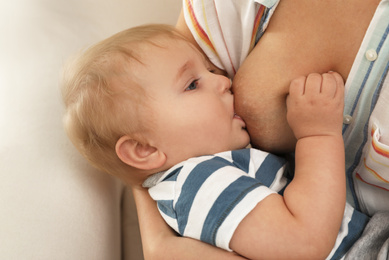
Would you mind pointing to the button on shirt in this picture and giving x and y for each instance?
(371, 55)
(367, 88)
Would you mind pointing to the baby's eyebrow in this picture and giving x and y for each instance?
(182, 69)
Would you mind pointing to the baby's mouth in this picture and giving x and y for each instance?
(239, 118)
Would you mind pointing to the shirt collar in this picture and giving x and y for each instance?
(152, 180)
(267, 3)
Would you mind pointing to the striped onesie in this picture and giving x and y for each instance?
(206, 197)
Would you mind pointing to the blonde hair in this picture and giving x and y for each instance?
(101, 98)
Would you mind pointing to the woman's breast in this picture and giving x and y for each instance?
(298, 41)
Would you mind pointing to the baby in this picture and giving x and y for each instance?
(145, 106)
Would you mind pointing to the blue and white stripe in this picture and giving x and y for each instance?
(207, 197)
(352, 227)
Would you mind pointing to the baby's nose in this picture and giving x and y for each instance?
(224, 84)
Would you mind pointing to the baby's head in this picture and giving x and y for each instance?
(145, 99)
(103, 99)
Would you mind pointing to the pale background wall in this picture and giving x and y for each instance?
(53, 204)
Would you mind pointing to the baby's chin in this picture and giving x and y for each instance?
(243, 145)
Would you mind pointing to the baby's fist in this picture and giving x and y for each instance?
(315, 105)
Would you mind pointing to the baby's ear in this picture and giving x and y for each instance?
(139, 155)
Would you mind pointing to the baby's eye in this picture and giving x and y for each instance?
(192, 86)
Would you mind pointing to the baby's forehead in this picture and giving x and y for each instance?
(168, 45)
(159, 51)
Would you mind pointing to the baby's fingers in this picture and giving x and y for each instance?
(339, 84)
(297, 86)
(332, 85)
(329, 85)
(313, 84)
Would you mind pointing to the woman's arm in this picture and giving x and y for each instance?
(304, 223)
(159, 240)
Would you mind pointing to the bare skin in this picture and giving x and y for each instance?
(303, 36)
(318, 36)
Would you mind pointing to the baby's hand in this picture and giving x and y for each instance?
(315, 105)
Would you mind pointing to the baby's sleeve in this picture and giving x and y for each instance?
(163, 193)
(208, 199)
